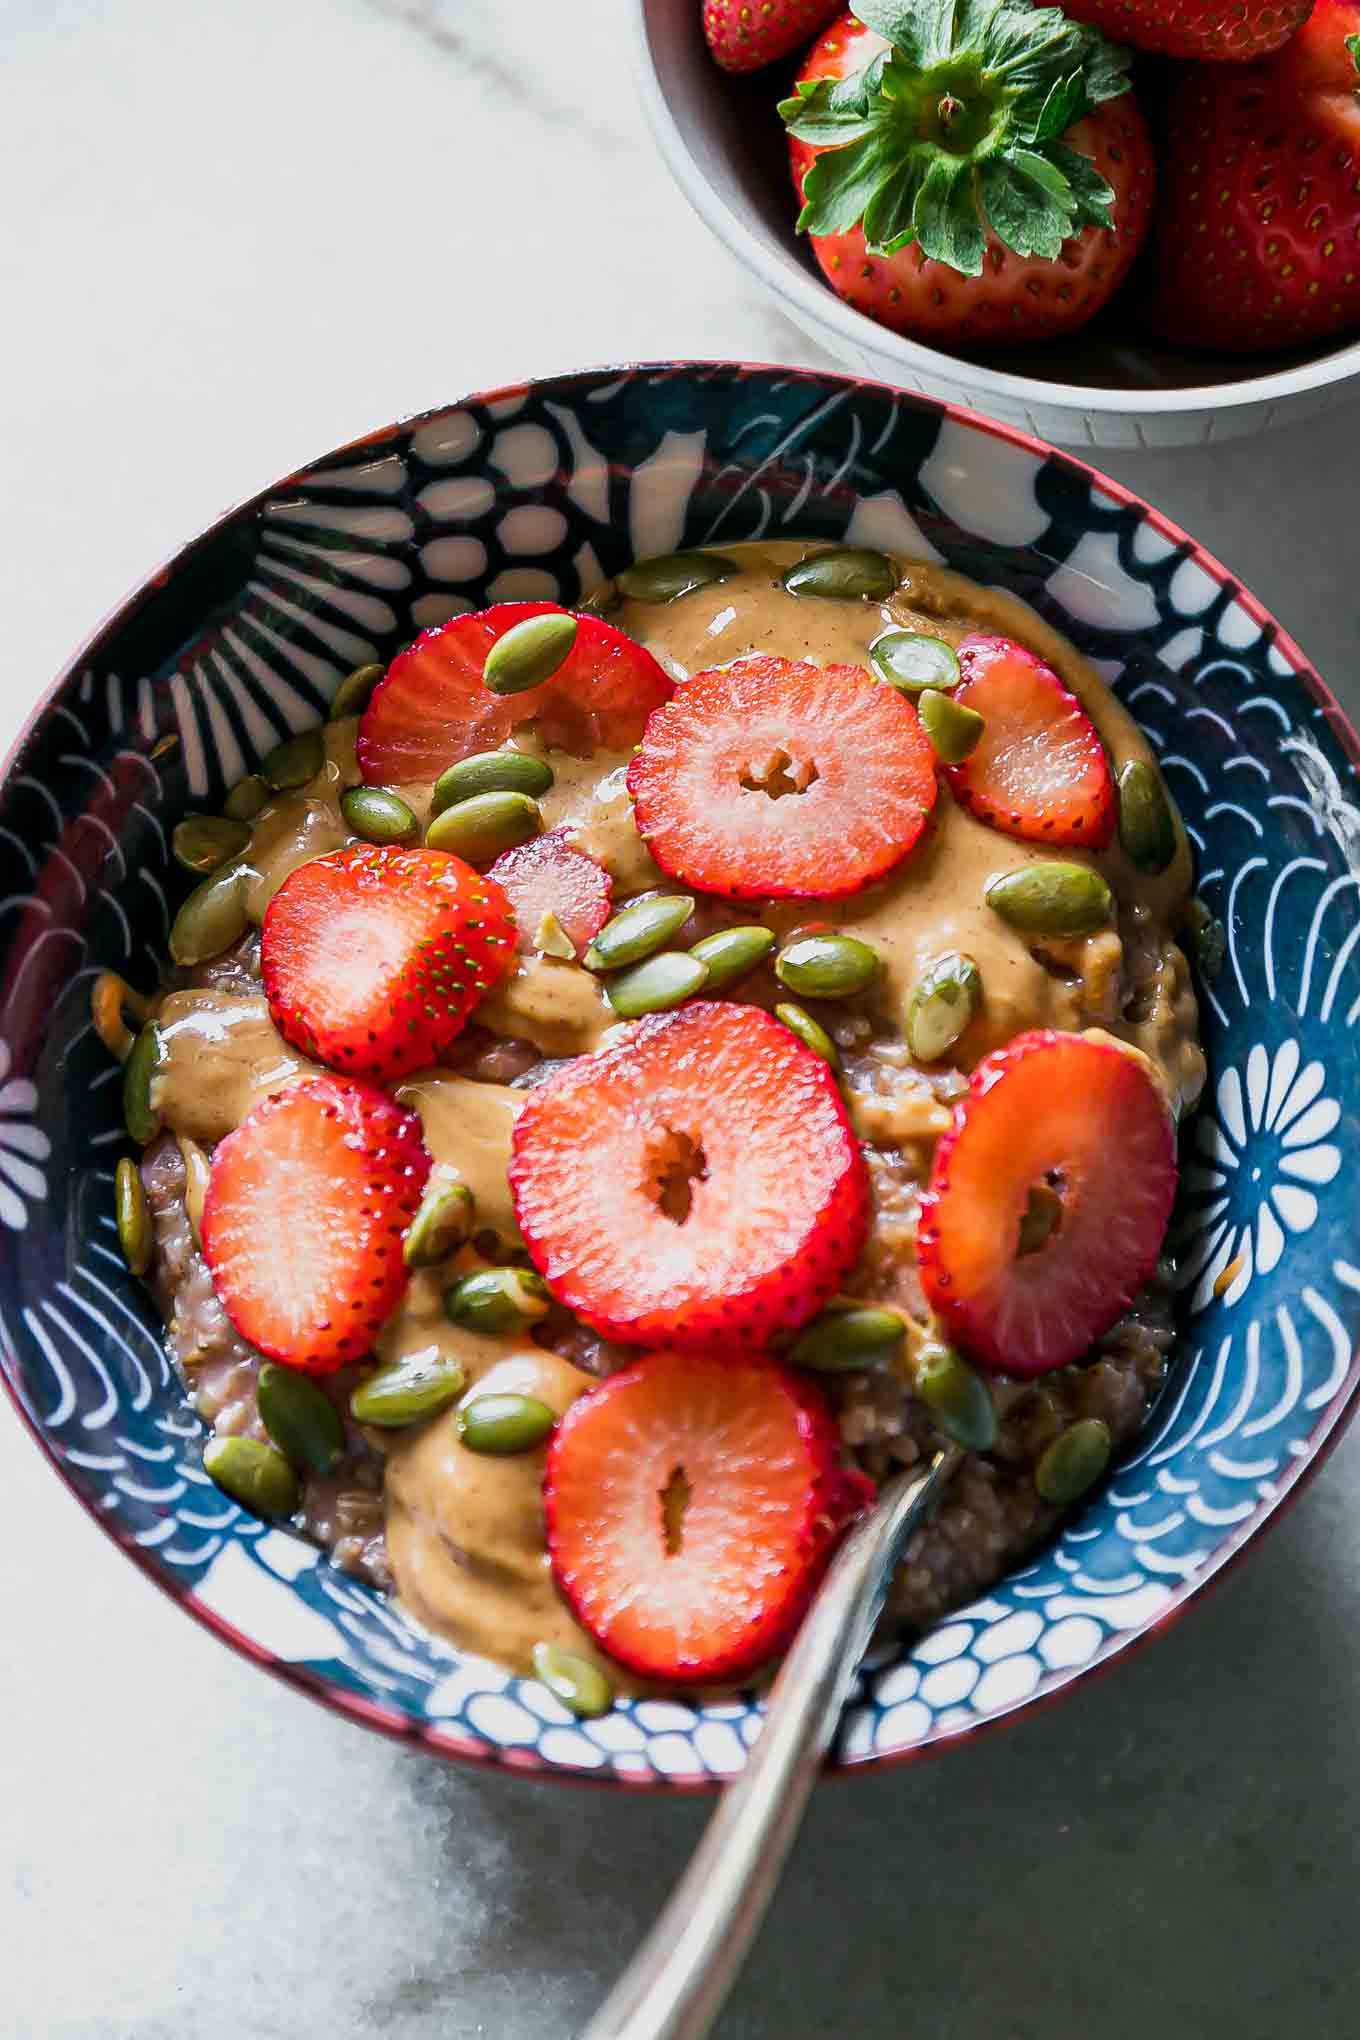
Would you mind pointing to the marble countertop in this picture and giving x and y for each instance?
(233, 237)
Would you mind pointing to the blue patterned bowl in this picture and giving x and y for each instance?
(535, 492)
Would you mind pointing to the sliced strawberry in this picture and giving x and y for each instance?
(307, 1204)
(1039, 770)
(698, 1180)
(693, 1500)
(1072, 1137)
(548, 876)
(431, 709)
(373, 957)
(771, 777)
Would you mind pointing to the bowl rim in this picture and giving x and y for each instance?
(436, 1737)
(819, 305)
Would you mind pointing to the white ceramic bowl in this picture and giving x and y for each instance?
(722, 140)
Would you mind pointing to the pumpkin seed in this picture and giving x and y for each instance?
(354, 692)
(294, 761)
(498, 1300)
(959, 1400)
(671, 575)
(656, 985)
(911, 662)
(601, 601)
(1052, 899)
(809, 1032)
(300, 1417)
(945, 1000)
(504, 1423)
(111, 1000)
(573, 1680)
(203, 842)
(842, 1339)
(254, 1474)
(1146, 830)
(843, 573)
(1074, 1461)
(638, 930)
(444, 1221)
(490, 772)
(140, 1116)
(136, 1233)
(827, 966)
(1205, 937)
(378, 815)
(211, 919)
(731, 953)
(246, 799)
(407, 1391)
(530, 652)
(952, 728)
(482, 827)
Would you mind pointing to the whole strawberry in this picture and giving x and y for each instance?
(1259, 241)
(982, 177)
(745, 34)
(1205, 31)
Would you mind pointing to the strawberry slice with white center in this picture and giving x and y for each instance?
(775, 778)
(693, 1501)
(547, 881)
(307, 1204)
(697, 1180)
(374, 957)
(1039, 769)
(432, 708)
(1048, 1200)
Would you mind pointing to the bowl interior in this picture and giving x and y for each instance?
(734, 139)
(536, 492)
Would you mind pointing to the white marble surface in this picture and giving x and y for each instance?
(230, 237)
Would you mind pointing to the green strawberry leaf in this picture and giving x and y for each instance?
(1092, 194)
(889, 218)
(841, 183)
(947, 223)
(1352, 43)
(1065, 104)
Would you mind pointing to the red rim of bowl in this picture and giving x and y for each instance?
(1057, 1684)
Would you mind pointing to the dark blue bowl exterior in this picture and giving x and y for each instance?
(538, 492)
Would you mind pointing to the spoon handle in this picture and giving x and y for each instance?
(679, 1979)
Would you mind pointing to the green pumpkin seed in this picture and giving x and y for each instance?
(530, 652)
(246, 799)
(945, 1000)
(1205, 938)
(142, 1120)
(136, 1233)
(378, 815)
(1052, 899)
(731, 953)
(254, 1474)
(504, 1423)
(490, 772)
(300, 1417)
(1074, 1462)
(843, 573)
(498, 1300)
(203, 842)
(408, 1391)
(953, 730)
(959, 1400)
(638, 931)
(842, 1339)
(210, 920)
(827, 966)
(911, 662)
(809, 1031)
(1146, 829)
(573, 1680)
(656, 985)
(353, 694)
(671, 575)
(444, 1221)
(294, 761)
(481, 828)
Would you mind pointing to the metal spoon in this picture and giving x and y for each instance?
(678, 1981)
